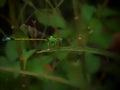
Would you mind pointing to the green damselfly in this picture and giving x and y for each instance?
(51, 40)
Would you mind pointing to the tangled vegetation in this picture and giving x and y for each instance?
(75, 47)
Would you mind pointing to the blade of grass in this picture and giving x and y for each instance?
(84, 49)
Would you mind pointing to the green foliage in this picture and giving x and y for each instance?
(61, 55)
(92, 63)
(3, 61)
(87, 12)
(28, 54)
(34, 65)
(74, 71)
(46, 59)
(24, 29)
(98, 36)
(65, 33)
(78, 46)
(50, 18)
(102, 41)
(11, 50)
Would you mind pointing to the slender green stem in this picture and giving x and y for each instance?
(21, 17)
(12, 14)
(40, 75)
(50, 4)
(86, 85)
(76, 9)
(58, 5)
(83, 49)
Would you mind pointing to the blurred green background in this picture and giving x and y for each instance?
(80, 50)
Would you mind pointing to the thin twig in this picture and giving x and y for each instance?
(59, 4)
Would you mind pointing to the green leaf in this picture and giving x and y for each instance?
(3, 61)
(46, 59)
(64, 33)
(43, 45)
(96, 26)
(34, 65)
(74, 72)
(23, 46)
(28, 54)
(11, 50)
(19, 34)
(24, 29)
(53, 19)
(92, 63)
(101, 40)
(2, 3)
(22, 33)
(98, 37)
(16, 66)
(61, 55)
(87, 12)
(108, 12)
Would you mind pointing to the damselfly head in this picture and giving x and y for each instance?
(7, 39)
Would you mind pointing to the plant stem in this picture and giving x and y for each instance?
(12, 14)
(76, 9)
(83, 49)
(21, 17)
(86, 85)
(40, 75)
